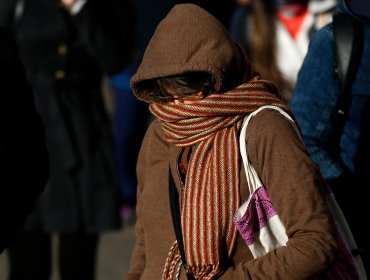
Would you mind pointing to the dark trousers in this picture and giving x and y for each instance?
(30, 256)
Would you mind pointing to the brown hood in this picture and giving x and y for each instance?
(189, 39)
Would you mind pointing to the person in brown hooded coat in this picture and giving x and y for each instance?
(200, 87)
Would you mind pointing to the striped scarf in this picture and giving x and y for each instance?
(211, 194)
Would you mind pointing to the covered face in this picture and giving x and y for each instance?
(189, 39)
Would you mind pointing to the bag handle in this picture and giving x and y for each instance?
(253, 179)
(349, 40)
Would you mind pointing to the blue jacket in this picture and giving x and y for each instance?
(314, 105)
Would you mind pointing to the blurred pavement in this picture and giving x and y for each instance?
(113, 256)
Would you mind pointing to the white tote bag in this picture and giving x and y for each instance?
(257, 220)
(261, 228)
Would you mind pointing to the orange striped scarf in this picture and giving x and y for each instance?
(211, 194)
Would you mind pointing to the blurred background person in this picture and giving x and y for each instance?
(129, 120)
(24, 166)
(67, 47)
(275, 35)
(340, 148)
(130, 116)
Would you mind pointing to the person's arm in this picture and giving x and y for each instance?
(296, 189)
(314, 101)
(24, 159)
(151, 142)
(137, 263)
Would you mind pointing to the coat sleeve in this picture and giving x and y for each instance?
(297, 191)
(137, 263)
(153, 149)
(24, 158)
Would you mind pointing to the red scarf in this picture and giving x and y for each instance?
(211, 194)
(291, 14)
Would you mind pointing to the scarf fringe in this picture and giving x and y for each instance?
(173, 260)
(205, 272)
(173, 267)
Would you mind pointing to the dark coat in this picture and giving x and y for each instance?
(23, 154)
(65, 58)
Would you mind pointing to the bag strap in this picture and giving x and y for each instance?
(176, 220)
(348, 38)
(253, 179)
(348, 44)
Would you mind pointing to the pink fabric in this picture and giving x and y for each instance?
(259, 210)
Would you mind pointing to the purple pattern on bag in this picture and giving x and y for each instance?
(259, 210)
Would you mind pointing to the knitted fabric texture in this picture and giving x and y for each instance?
(211, 194)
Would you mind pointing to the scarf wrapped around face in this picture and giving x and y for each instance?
(211, 194)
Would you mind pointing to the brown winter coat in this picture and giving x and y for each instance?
(274, 148)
